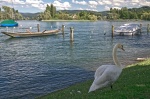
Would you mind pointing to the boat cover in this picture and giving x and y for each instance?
(8, 23)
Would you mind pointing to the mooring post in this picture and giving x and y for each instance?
(63, 28)
(140, 28)
(71, 33)
(38, 27)
(148, 28)
(112, 31)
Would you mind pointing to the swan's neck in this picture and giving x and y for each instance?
(117, 63)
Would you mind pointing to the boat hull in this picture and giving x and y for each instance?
(9, 25)
(128, 29)
(31, 34)
(137, 32)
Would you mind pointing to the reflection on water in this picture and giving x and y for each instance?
(37, 65)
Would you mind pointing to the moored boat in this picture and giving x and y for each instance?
(8, 23)
(32, 34)
(128, 29)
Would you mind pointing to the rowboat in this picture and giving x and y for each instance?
(32, 34)
(128, 29)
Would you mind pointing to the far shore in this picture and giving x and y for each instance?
(68, 20)
(117, 20)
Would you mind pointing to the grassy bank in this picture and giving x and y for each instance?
(134, 83)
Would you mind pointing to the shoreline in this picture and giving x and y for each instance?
(68, 20)
(117, 20)
(82, 87)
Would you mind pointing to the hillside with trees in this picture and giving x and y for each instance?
(51, 13)
(142, 13)
(9, 13)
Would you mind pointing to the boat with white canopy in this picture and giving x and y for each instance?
(128, 29)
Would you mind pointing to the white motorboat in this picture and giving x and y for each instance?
(128, 29)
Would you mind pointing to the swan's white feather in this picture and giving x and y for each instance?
(106, 75)
(100, 71)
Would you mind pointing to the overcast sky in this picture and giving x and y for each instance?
(34, 6)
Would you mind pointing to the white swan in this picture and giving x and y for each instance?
(106, 75)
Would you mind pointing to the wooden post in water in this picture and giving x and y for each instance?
(140, 28)
(112, 31)
(71, 33)
(38, 27)
(148, 29)
(63, 27)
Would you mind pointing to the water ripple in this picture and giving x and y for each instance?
(34, 66)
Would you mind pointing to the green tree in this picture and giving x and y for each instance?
(112, 16)
(83, 15)
(133, 15)
(52, 10)
(48, 8)
(10, 13)
(47, 15)
(124, 14)
(145, 16)
(92, 17)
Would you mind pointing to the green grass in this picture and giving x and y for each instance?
(133, 83)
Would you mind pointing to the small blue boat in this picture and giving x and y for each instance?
(8, 23)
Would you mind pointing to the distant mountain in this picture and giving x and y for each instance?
(144, 8)
(30, 15)
(103, 13)
(77, 11)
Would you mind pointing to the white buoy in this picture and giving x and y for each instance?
(14, 29)
(7, 29)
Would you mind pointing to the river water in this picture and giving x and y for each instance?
(34, 66)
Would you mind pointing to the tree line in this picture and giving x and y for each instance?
(51, 13)
(142, 13)
(48, 14)
(9, 13)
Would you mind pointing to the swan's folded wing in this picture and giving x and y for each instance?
(101, 80)
(100, 70)
(110, 75)
(106, 76)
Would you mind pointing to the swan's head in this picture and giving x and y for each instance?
(120, 46)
